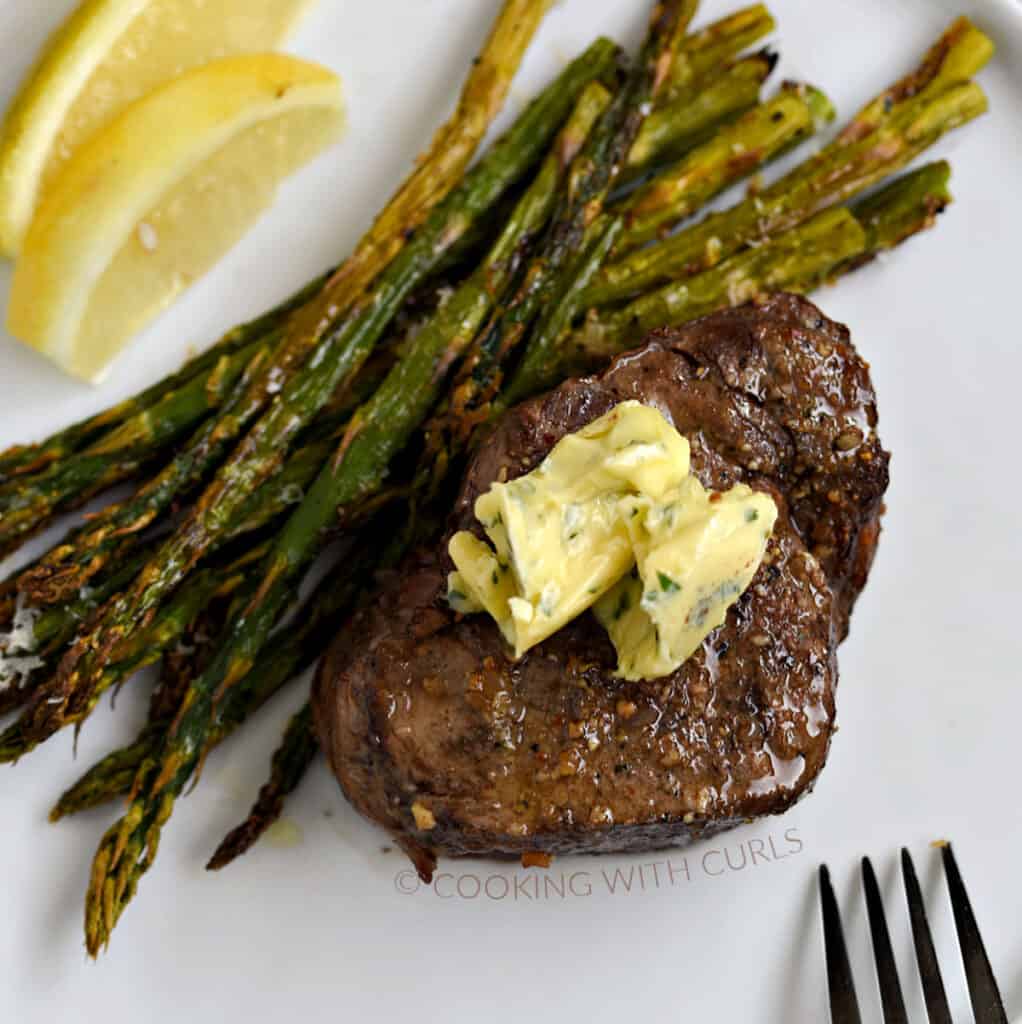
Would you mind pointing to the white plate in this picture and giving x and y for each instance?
(930, 703)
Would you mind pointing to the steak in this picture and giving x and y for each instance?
(435, 732)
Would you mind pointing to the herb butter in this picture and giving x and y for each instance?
(558, 539)
(696, 552)
(612, 520)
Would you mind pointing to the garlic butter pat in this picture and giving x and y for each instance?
(557, 539)
(612, 520)
(696, 553)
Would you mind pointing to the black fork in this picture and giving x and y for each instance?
(987, 1006)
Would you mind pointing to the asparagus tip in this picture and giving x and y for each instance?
(770, 56)
(238, 842)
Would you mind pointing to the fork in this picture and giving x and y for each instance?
(987, 1006)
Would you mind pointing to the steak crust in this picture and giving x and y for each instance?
(435, 732)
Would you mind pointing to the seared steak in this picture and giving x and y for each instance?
(435, 732)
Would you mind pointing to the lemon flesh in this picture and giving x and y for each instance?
(108, 54)
(152, 202)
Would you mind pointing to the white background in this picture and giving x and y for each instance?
(930, 705)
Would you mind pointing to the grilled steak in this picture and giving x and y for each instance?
(436, 733)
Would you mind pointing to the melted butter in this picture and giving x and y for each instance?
(612, 520)
(785, 774)
(284, 833)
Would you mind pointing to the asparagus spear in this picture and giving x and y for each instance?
(136, 652)
(113, 775)
(855, 167)
(833, 242)
(734, 152)
(707, 88)
(703, 52)
(66, 483)
(889, 132)
(899, 210)
(56, 625)
(541, 353)
(592, 177)
(51, 629)
(291, 760)
(23, 459)
(960, 52)
(287, 487)
(108, 779)
(339, 354)
(29, 504)
(772, 266)
(676, 127)
(452, 148)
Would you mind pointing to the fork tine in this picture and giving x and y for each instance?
(983, 992)
(887, 971)
(937, 1008)
(844, 1007)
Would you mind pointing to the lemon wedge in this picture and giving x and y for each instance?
(158, 196)
(105, 56)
